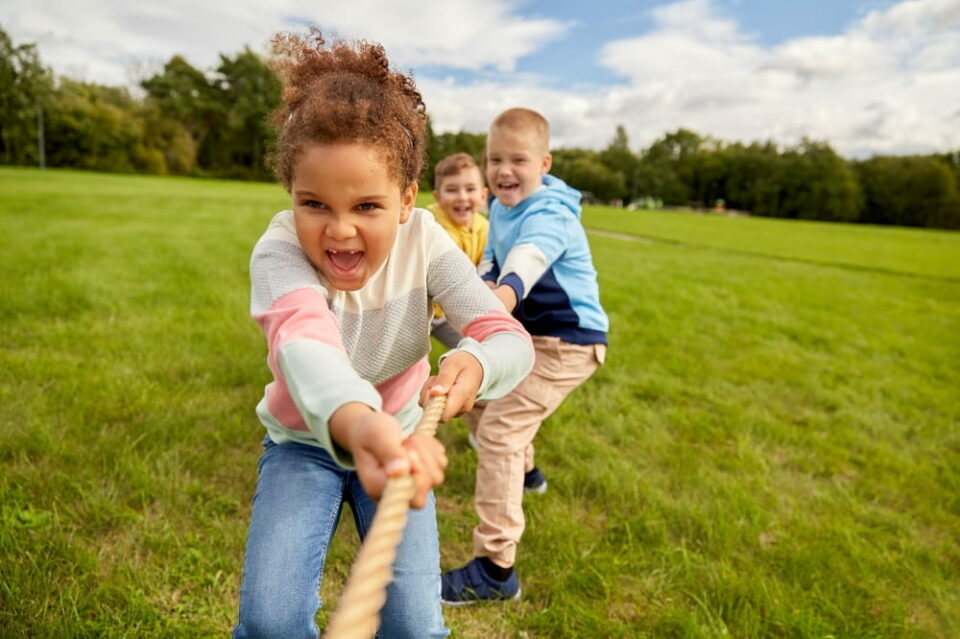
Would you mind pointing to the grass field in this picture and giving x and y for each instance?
(893, 250)
(772, 450)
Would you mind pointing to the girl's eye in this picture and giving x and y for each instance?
(368, 206)
(313, 204)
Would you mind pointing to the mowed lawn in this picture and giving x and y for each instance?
(890, 249)
(772, 450)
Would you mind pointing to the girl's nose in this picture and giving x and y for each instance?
(340, 229)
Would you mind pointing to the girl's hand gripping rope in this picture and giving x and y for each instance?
(380, 450)
(461, 373)
(357, 615)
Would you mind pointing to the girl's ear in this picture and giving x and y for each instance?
(407, 201)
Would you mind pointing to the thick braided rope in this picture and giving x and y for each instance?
(357, 616)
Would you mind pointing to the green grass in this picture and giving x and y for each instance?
(894, 250)
(772, 450)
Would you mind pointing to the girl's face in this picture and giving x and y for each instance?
(347, 209)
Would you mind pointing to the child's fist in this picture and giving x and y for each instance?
(459, 377)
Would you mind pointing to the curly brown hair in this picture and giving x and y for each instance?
(345, 92)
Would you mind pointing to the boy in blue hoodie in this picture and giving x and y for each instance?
(538, 263)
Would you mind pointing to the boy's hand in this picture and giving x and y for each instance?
(507, 297)
(460, 376)
(380, 451)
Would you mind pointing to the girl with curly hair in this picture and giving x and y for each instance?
(342, 285)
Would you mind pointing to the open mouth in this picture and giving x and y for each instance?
(344, 261)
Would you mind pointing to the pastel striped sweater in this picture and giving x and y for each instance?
(328, 347)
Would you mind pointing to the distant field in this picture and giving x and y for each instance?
(772, 450)
(891, 249)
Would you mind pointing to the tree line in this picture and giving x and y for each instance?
(185, 121)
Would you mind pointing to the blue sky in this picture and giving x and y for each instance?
(599, 21)
(867, 76)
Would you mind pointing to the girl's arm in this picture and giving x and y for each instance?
(313, 375)
(496, 347)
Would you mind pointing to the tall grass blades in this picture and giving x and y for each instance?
(771, 450)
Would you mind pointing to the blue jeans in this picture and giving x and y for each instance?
(300, 495)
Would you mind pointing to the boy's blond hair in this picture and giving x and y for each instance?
(521, 120)
(453, 165)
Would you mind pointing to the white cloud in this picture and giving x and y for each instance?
(889, 83)
(99, 40)
(464, 34)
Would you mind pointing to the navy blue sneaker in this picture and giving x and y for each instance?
(470, 584)
(534, 482)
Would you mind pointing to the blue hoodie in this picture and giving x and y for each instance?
(540, 250)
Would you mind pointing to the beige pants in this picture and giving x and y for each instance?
(504, 430)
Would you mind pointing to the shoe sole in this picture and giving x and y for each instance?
(536, 490)
(460, 604)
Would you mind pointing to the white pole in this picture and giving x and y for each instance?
(41, 151)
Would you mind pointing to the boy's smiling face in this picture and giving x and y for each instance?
(517, 160)
(461, 195)
(347, 209)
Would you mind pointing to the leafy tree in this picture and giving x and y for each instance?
(667, 169)
(441, 145)
(183, 93)
(170, 139)
(909, 191)
(753, 178)
(248, 90)
(675, 147)
(710, 174)
(100, 128)
(618, 158)
(25, 87)
(585, 171)
(224, 115)
(818, 184)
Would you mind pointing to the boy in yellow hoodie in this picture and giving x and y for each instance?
(460, 194)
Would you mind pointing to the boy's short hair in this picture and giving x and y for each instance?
(521, 119)
(452, 165)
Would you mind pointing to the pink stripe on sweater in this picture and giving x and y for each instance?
(301, 314)
(494, 321)
(281, 406)
(398, 390)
